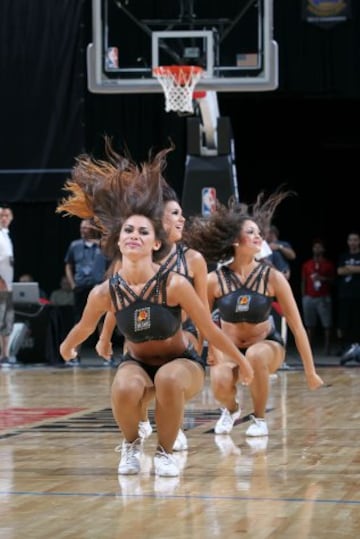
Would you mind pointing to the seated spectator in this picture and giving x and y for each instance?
(28, 278)
(64, 295)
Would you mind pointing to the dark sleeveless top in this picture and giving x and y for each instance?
(177, 262)
(144, 317)
(244, 302)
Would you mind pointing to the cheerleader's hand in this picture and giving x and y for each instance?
(104, 349)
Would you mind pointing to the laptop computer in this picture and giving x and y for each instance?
(26, 293)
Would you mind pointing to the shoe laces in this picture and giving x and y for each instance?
(226, 418)
(166, 458)
(129, 449)
(257, 421)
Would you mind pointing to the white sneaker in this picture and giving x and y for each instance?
(258, 427)
(180, 458)
(225, 424)
(130, 457)
(145, 429)
(181, 443)
(351, 353)
(164, 464)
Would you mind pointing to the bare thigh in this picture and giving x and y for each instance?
(271, 353)
(131, 376)
(186, 375)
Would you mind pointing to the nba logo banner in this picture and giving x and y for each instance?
(208, 200)
(112, 58)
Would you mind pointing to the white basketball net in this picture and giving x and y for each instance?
(178, 86)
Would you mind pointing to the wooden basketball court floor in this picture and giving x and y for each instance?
(58, 467)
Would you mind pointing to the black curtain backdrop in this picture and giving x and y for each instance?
(42, 126)
(305, 134)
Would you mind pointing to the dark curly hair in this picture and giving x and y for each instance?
(214, 236)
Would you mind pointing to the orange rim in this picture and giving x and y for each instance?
(181, 73)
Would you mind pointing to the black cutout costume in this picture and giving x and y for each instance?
(244, 302)
(147, 317)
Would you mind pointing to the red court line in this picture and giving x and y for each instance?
(17, 417)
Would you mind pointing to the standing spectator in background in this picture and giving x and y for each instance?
(317, 276)
(348, 299)
(6, 280)
(282, 251)
(79, 264)
(100, 267)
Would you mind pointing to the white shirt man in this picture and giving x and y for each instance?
(6, 280)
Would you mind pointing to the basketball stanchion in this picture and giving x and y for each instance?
(178, 83)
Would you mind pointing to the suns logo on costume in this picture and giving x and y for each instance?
(142, 319)
(243, 304)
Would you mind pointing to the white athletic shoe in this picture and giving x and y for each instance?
(180, 458)
(164, 464)
(130, 457)
(225, 424)
(258, 427)
(181, 443)
(145, 429)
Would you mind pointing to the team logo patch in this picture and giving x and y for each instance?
(142, 319)
(243, 304)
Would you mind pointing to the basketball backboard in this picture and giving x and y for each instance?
(232, 40)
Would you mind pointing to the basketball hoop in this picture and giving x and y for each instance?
(178, 83)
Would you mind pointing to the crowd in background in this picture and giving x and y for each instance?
(330, 292)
